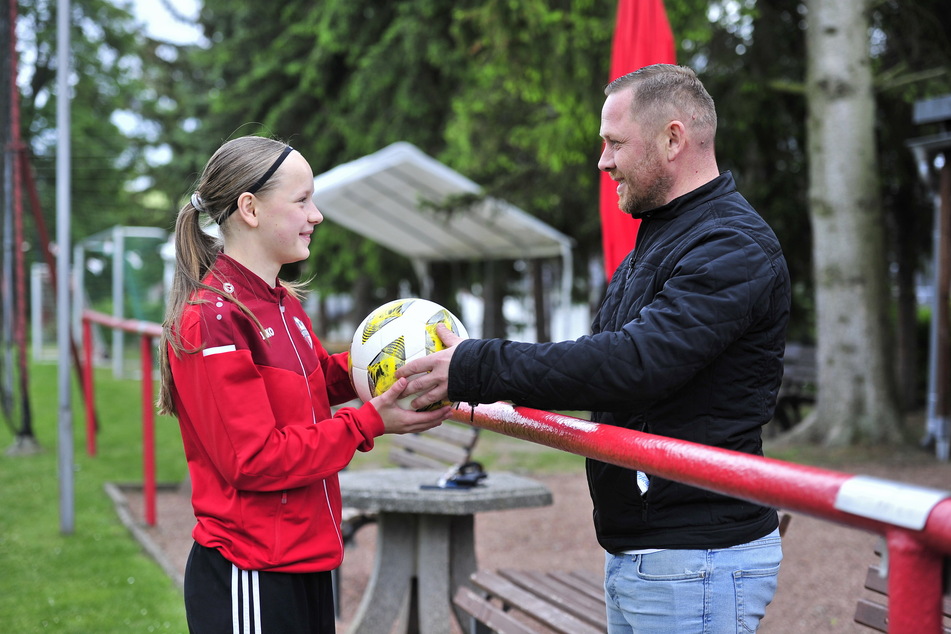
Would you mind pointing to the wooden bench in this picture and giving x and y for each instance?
(441, 447)
(510, 601)
(527, 602)
(799, 385)
(873, 613)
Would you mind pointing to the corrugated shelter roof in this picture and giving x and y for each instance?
(396, 196)
(392, 197)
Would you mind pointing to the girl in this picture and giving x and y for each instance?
(252, 389)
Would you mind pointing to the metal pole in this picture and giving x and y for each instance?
(942, 376)
(88, 388)
(63, 324)
(118, 293)
(6, 292)
(933, 327)
(25, 440)
(914, 586)
(148, 431)
(567, 275)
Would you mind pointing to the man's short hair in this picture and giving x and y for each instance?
(663, 92)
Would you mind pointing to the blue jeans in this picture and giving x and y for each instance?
(716, 591)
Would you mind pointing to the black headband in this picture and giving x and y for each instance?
(260, 182)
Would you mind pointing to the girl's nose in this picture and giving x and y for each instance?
(315, 216)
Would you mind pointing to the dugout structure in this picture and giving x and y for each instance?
(398, 198)
(122, 272)
(933, 155)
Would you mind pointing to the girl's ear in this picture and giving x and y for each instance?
(246, 209)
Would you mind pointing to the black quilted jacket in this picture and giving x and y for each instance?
(688, 343)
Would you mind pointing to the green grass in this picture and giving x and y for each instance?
(96, 579)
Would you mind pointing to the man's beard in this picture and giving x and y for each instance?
(636, 203)
(653, 185)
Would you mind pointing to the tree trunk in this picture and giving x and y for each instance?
(445, 286)
(857, 397)
(904, 231)
(541, 282)
(493, 297)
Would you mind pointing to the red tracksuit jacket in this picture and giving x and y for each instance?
(254, 408)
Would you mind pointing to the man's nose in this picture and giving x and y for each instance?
(606, 162)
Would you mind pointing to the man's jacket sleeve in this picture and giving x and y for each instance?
(712, 296)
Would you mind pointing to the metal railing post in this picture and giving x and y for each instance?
(148, 431)
(88, 389)
(914, 586)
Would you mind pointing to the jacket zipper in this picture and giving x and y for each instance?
(330, 509)
(313, 413)
(303, 370)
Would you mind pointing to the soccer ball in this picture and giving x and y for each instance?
(391, 335)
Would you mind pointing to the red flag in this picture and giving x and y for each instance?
(642, 36)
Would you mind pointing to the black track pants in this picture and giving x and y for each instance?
(222, 599)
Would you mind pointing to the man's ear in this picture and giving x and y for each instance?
(675, 139)
(247, 210)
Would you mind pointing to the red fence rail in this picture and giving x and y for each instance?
(915, 521)
(148, 331)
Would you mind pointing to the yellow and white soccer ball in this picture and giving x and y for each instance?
(396, 332)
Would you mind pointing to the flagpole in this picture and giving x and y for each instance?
(63, 250)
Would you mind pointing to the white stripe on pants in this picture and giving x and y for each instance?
(245, 603)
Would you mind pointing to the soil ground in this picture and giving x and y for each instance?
(820, 580)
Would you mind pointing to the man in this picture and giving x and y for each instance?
(688, 343)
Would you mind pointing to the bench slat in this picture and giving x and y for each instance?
(484, 612)
(531, 605)
(874, 580)
(410, 460)
(449, 433)
(874, 614)
(455, 434)
(584, 582)
(565, 596)
(408, 446)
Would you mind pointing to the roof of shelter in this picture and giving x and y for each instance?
(391, 196)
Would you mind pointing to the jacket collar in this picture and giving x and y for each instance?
(243, 281)
(722, 184)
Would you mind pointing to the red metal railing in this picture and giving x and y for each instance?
(915, 555)
(148, 331)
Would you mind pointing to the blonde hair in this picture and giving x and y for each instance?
(234, 168)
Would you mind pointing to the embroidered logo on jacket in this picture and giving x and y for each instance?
(303, 331)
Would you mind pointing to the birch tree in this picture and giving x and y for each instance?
(857, 398)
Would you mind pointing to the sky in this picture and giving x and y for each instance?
(161, 24)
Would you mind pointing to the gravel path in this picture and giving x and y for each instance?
(820, 580)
